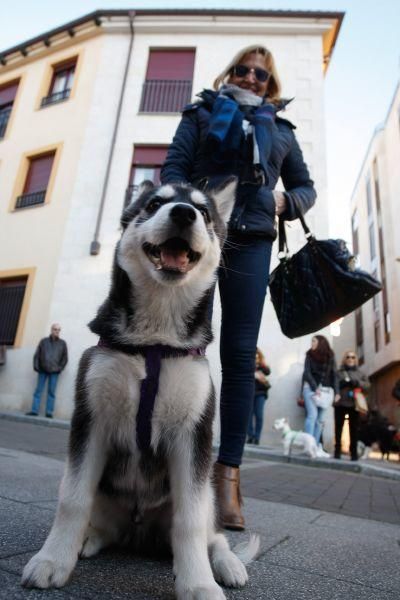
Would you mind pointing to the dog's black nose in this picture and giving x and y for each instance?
(183, 215)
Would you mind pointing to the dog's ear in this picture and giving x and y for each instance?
(224, 197)
(135, 205)
(145, 186)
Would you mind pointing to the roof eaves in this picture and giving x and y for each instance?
(98, 14)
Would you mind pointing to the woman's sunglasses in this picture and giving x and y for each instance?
(241, 71)
(351, 356)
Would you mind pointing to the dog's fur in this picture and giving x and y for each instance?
(298, 439)
(111, 491)
(375, 431)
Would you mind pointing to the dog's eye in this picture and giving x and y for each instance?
(153, 206)
(206, 214)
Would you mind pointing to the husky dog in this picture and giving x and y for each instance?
(297, 439)
(139, 458)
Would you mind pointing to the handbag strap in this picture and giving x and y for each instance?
(282, 240)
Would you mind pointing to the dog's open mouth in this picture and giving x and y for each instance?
(174, 255)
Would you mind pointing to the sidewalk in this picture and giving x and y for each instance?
(306, 553)
(311, 549)
(374, 467)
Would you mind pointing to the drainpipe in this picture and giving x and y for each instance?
(95, 244)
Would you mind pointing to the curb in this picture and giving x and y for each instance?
(256, 453)
(359, 467)
(58, 423)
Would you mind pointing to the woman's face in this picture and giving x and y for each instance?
(250, 81)
(314, 344)
(350, 359)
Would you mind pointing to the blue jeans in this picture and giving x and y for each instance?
(315, 416)
(51, 392)
(243, 281)
(257, 417)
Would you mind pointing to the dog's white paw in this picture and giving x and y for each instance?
(229, 570)
(45, 572)
(92, 544)
(200, 592)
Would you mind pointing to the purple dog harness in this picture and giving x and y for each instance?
(149, 386)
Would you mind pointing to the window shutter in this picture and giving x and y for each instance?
(171, 65)
(149, 155)
(38, 174)
(12, 293)
(8, 93)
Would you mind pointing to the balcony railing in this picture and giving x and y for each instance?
(54, 98)
(161, 95)
(26, 200)
(4, 117)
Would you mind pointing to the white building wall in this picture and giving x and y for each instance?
(81, 281)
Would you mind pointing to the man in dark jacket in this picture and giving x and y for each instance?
(50, 358)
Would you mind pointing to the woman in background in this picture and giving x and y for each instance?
(319, 370)
(350, 377)
(262, 386)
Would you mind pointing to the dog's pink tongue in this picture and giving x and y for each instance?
(174, 259)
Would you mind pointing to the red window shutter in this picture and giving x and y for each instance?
(171, 65)
(8, 93)
(38, 174)
(149, 155)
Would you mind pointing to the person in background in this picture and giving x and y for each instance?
(396, 396)
(319, 370)
(350, 377)
(49, 360)
(262, 386)
(236, 130)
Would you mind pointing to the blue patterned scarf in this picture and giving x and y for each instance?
(231, 109)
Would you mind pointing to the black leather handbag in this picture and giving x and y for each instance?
(317, 285)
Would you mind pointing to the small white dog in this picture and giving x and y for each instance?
(297, 439)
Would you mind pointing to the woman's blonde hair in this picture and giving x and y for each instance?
(345, 355)
(274, 85)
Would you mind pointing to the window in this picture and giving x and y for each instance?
(61, 83)
(7, 96)
(371, 220)
(377, 317)
(37, 180)
(369, 197)
(168, 85)
(12, 292)
(359, 335)
(386, 315)
(146, 164)
(354, 231)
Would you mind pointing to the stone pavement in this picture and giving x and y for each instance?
(311, 551)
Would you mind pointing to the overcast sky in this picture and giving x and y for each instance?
(360, 81)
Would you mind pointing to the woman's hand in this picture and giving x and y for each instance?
(336, 399)
(280, 202)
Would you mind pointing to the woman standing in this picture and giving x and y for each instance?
(350, 378)
(319, 371)
(235, 130)
(262, 386)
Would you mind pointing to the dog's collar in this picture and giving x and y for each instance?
(149, 386)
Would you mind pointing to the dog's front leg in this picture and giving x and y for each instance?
(54, 563)
(286, 448)
(190, 497)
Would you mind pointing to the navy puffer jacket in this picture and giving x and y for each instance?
(188, 161)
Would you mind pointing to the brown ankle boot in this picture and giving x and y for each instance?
(228, 498)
